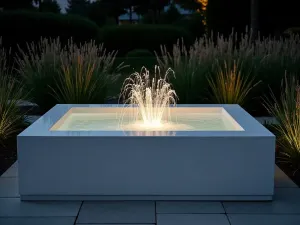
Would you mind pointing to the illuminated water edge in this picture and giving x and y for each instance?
(180, 122)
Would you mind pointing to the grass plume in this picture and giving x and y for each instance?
(266, 58)
(11, 92)
(286, 110)
(86, 72)
(230, 86)
(72, 73)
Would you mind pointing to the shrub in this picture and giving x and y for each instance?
(286, 110)
(139, 53)
(134, 64)
(72, 74)
(141, 37)
(110, 21)
(148, 18)
(20, 27)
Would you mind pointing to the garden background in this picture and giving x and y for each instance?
(228, 52)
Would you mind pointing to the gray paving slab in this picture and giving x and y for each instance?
(13, 207)
(142, 212)
(248, 219)
(12, 171)
(285, 209)
(9, 187)
(192, 219)
(38, 221)
(286, 200)
(188, 207)
(15, 164)
(282, 180)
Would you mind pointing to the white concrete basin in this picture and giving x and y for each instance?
(209, 152)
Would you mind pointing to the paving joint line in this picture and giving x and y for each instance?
(78, 213)
(226, 213)
(155, 222)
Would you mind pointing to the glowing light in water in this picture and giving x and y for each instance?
(150, 98)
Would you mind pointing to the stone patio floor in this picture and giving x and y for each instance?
(284, 210)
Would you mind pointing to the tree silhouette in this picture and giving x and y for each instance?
(16, 4)
(114, 8)
(224, 16)
(97, 13)
(275, 16)
(49, 6)
(189, 4)
(130, 6)
(78, 7)
(152, 8)
(254, 17)
(171, 15)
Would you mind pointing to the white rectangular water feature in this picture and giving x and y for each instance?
(85, 152)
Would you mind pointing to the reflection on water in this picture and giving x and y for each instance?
(150, 133)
